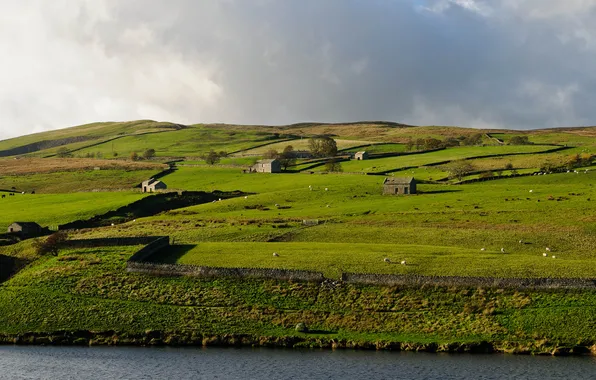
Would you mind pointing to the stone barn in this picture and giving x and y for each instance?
(399, 185)
(361, 156)
(267, 166)
(25, 229)
(153, 185)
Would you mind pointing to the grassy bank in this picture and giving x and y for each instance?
(89, 290)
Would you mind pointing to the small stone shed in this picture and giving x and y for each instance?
(25, 228)
(152, 185)
(267, 166)
(361, 156)
(399, 185)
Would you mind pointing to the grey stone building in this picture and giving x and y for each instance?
(399, 186)
(153, 185)
(267, 166)
(26, 229)
(361, 155)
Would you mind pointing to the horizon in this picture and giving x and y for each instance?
(274, 63)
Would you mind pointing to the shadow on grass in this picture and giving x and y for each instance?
(171, 254)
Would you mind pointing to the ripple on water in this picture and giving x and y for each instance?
(32, 362)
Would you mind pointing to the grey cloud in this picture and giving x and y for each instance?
(451, 62)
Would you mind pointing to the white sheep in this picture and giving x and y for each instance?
(483, 249)
(245, 197)
(276, 205)
(521, 242)
(544, 254)
(554, 256)
(547, 249)
(386, 259)
(403, 262)
(275, 254)
(531, 191)
(503, 250)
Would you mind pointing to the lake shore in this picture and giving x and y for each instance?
(177, 339)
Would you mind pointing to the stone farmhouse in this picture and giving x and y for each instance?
(153, 185)
(25, 229)
(399, 186)
(267, 166)
(361, 156)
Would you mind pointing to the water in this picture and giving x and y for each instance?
(221, 363)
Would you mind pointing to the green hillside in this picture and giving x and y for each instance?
(516, 199)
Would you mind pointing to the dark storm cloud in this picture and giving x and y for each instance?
(513, 64)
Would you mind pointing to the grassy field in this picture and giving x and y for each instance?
(88, 289)
(70, 182)
(445, 229)
(302, 144)
(392, 163)
(336, 258)
(51, 165)
(54, 209)
(439, 231)
(378, 148)
(189, 142)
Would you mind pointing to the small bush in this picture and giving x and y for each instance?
(51, 245)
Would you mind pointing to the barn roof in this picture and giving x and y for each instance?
(267, 161)
(361, 152)
(398, 180)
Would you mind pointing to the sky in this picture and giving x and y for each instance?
(516, 64)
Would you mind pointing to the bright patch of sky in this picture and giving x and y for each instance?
(473, 63)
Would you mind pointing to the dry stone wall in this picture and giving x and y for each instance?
(214, 272)
(488, 282)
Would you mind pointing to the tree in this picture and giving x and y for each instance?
(509, 166)
(212, 157)
(271, 153)
(475, 139)
(409, 145)
(450, 141)
(432, 143)
(51, 245)
(333, 166)
(134, 156)
(519, 140)
(287, 157)
(322, 146)
(63, 152)
(459, 169)
(149, 154)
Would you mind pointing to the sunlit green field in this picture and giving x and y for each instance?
(89, 290)
(302, 144)
(392, 163)
(327, 222)
(440, 231)
(190, 142)
(55, 209)
(76, 181)
(379, 148)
